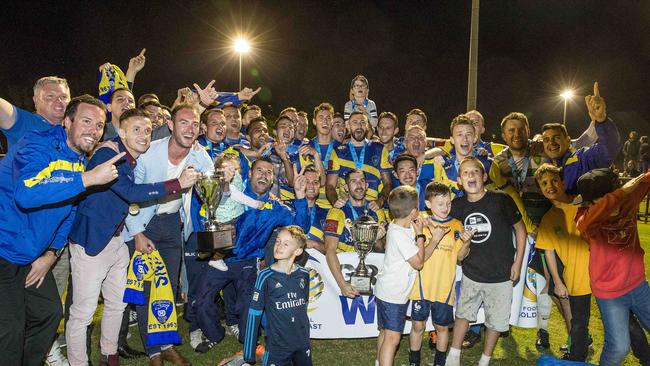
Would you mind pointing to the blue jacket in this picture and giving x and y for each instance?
(600, 155)
(40, 179)
(254, 227)
(103, 209)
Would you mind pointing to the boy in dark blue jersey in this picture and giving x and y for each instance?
(282, 291)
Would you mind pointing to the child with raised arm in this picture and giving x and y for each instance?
(435, 286)
(405, 254)
(282, 292)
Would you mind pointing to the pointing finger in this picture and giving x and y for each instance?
(209, 85)
(142, 52)
(115, 158)
(596, 91)
(196, 87)
(256, 91)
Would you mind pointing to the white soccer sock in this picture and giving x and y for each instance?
(543, 311)
(484, 361)
(453, 357)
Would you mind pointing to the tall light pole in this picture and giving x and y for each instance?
(566, 95)
(241, 46)
(473, 58)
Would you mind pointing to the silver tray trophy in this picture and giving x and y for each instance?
(364, 235)
(214, 236)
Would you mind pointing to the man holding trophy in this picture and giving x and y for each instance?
(164, 224)
(339, 230)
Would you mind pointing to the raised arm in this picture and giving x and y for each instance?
(7, 114)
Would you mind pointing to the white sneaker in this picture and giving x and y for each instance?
(196, 338)
(233, 330)
(55, 357)
(219, 264)
(452, 361)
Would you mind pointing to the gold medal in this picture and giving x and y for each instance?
(134, 209)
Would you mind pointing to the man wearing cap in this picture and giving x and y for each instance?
(616, 267)
(40, 179)
(557, 144)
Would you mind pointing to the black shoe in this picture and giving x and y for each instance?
(505, 334)
(205, 346)
(127, 352)
(471, 339)
(542, 344)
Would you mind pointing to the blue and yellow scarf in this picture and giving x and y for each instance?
(162, 325)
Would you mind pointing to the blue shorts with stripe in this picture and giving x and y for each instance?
(441, 314)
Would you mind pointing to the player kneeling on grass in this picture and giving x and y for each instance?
(405, 253)
(282, 291)
(435, 285)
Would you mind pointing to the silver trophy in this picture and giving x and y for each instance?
(364, 235)
(215, 236)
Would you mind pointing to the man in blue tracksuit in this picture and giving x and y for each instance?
(40, 179)
(253, 230)
(574, 163)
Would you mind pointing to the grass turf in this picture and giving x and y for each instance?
(517, 349)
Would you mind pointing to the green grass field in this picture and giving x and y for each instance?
(517, 349)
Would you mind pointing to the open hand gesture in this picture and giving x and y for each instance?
(596, 105)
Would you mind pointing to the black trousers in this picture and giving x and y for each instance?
(29, 317)
(580, 313)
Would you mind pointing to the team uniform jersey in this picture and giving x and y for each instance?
(287, 192)
(325, 153)
(339, 221)
(239, 141)
(317, 216)
(283, 298)
(492, 148)
(558, 231)
(520, 174)
(213, 149)
(436, 281)
(372, 158)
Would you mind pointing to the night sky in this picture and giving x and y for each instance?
(414, 54)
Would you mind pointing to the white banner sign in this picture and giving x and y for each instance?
(332, 315)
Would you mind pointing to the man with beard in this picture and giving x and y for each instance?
(120, 100)
(387, 131)
(40, 179)
(576, 162)
(51, 96)
(360, 154)
(253, 230)
(164, 224)
(99, 258)
(338, 234)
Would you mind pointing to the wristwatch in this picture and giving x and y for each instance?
(421, 236)
(57, 252)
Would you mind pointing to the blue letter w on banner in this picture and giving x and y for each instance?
(367, 311)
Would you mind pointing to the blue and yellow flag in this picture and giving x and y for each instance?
(111, 78)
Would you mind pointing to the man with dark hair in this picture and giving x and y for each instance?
(253, 230)
(121, 100)
(339, 131)
(247, 114)
(40, 179)
(557, 144)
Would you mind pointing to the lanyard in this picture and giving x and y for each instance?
(328, 152)
(312, 215)
(518, 174)
(355, 214)
(358, 163)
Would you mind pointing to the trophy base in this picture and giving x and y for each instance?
(209, 242)
(363, 284)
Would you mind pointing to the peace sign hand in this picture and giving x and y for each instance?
(206, 95)
(596, 105)
(299, 182)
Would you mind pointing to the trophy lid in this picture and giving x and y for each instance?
(365, 220)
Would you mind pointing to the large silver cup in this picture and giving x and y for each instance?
(364, 235)
(215, 236)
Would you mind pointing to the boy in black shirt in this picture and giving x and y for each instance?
(489, 270)
(282, 291)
